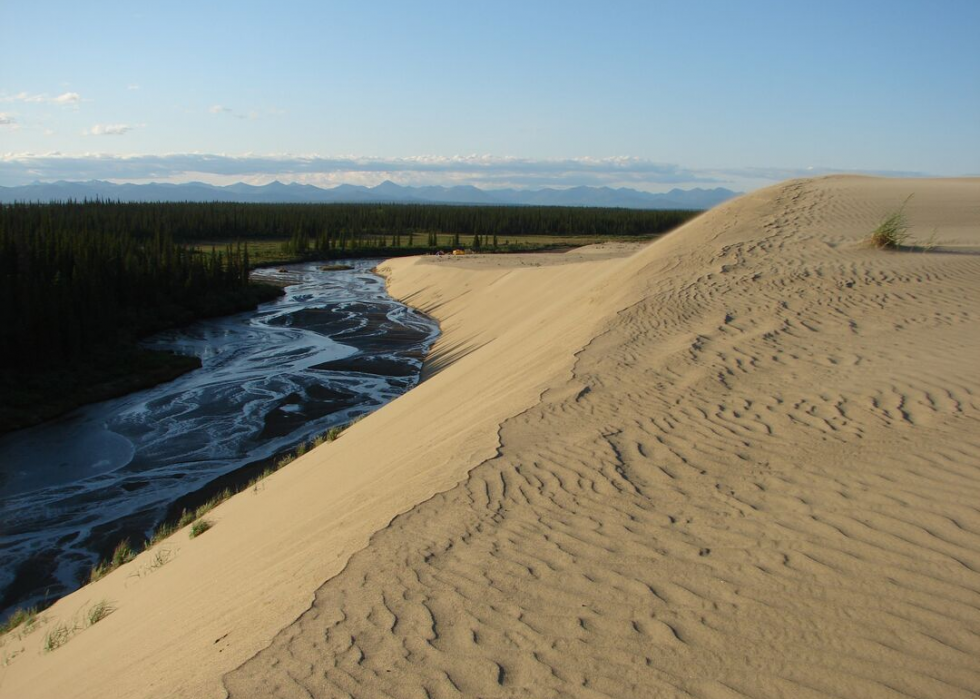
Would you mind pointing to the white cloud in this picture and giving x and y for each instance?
(221, 109)
(67, 98)
(109, 130)
(7, 120)
(485, 171)
(133, 86)
(480, 170)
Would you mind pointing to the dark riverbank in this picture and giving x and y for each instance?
(39, 571)
(334, 347)
(120, 368)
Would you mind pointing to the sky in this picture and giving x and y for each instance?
(649, 95)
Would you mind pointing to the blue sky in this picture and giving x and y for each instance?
(649, 95)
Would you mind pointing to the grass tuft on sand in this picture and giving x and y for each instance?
(893, 232)
(21, 617)
(123, 553)
(199, 527)
(99, 611)
(56, 637)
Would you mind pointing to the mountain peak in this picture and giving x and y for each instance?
(386, 192)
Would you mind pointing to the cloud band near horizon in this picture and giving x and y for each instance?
(479, 170)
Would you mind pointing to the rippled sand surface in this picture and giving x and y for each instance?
(743, 461)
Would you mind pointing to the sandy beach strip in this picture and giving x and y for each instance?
(741, 461)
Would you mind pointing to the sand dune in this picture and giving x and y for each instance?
(743, 461)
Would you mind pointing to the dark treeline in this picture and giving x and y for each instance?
(80, 282)
(75, 275)
(68, 292)
(76, 293)
(229, 221)
(76, 281)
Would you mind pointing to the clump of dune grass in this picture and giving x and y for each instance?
(893, 231)
(191, 516)
(61, 633)
(123, 553)
(57, 637)
(212, 503)
(185, 519)
(99, 611)
(161, 533)
(160, 558)
(199, 527)
(255, 482)
(7, 657)
(335, 432)
(21, 617)
(287, 459)
(99, 571)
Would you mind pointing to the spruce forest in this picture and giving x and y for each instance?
(192, 222)
(81, 282)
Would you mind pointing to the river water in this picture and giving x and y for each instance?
(334, 347)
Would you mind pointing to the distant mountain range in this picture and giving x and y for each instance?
(386, 192)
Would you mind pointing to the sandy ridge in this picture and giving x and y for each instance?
(761, 480)
(740, 462)
(222, 597)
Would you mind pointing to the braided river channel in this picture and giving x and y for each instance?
(336, 346)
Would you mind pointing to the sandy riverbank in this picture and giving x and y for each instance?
(741, 461)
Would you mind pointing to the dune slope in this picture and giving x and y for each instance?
(761, 478)
(183, 620)
(743, 461)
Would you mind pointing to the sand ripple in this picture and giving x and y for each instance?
(762, 479)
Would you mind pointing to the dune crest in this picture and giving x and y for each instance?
(743, 461)
(761, 479)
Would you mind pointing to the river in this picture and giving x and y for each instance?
(334, 347)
